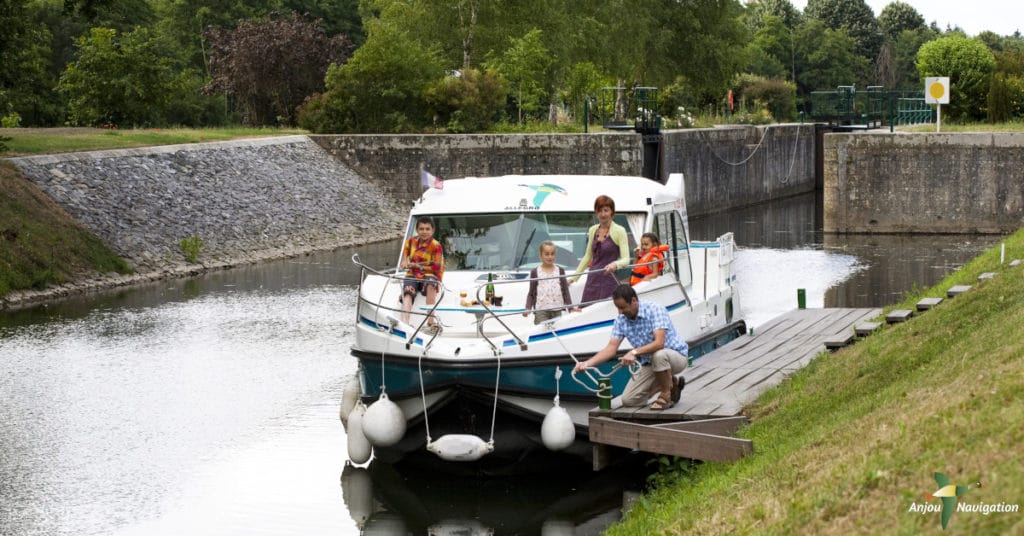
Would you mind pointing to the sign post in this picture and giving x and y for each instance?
(936, 91)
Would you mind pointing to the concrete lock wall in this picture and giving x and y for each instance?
(393, 161)
(729, 167)
(724, 167)
(255, 199)
(923, 183)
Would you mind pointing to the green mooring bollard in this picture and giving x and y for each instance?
(801, 298)
(604, 393)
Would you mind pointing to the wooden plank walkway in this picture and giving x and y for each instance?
(725, 380)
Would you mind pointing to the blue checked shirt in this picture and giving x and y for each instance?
(640, 330)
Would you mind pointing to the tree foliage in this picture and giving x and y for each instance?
(469, 102)
(381, 89)
(118, 79)
(968, 63)
(783, 10)
(268, 67)
(897, 17)
(829, 58)
(526, 65)
(854, 16)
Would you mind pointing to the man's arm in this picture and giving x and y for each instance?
(657, 344)
(604, 354)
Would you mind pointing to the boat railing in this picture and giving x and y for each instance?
(400, 276)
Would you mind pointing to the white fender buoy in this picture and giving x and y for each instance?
(349, 396)
(359, 448)
(357, 492)
(384, 422)
(557, 431)
(460, 447)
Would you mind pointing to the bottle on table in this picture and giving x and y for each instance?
(489, 289)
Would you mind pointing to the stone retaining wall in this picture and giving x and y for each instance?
(393, 161)
(246, 200)
(724, 167)
(924, 183)
(730, 167)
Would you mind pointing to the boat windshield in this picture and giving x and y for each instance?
(510, 241)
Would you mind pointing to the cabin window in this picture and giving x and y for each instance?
(511, 241)
(669, 228)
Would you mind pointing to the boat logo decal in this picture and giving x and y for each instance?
(541, 192)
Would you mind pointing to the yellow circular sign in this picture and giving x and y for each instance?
(936, 90)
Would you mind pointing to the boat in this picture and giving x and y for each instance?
(483, 387)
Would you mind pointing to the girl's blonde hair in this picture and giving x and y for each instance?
(545, 244)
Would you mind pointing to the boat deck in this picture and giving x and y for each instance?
(725, 380)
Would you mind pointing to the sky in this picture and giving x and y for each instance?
(973, 16)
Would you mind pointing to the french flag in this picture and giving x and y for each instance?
(430, 181)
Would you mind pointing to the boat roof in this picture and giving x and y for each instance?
(545, 193)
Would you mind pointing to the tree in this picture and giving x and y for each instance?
(121, 80)
(757, 11)
(897, 17)
(25, 80)
(524, 65)
(381, 89)
(827, 57)
(771, 53)
(855, 16)
(968, 63)
(268, 67)
(469, 101)
(337, 17)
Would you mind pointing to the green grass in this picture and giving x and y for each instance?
(40, 244)
(848, 443)
(1015, 126)
(62, 140)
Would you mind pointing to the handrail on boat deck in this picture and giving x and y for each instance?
(400, 276)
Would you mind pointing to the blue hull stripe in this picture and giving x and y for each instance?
(578, 329)
(394, 332)
(511, 342)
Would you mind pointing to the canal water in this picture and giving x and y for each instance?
(210, 405)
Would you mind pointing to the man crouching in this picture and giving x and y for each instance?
(657, 346)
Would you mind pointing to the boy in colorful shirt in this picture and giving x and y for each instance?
(423, 260)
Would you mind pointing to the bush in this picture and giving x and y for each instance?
(190, 248)
(469, 102)
(771, 95)
(11, 120)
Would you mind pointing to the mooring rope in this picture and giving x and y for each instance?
(711, 148)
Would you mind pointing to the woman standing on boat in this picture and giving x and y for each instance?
(607, 249)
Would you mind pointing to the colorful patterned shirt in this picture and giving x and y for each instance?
(428, 254)
(640, 330)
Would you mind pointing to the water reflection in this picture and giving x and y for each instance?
(383, 499)
(209, 406)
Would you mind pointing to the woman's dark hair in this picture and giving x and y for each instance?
(604, 201)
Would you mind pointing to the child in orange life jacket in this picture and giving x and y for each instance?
(649, 251)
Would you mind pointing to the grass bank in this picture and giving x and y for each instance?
(851, 442)
(32, 141)
(1013, 126)
(40, 244)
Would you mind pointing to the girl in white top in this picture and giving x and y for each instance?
(549, 290)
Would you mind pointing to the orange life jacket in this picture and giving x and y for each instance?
(644, 269)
